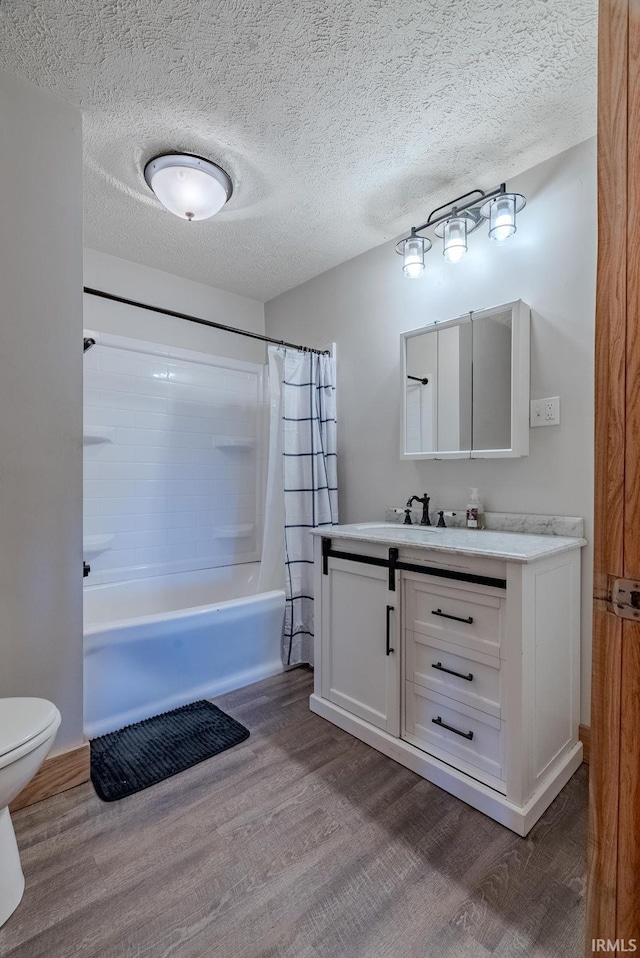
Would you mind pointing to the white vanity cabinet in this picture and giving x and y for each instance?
(461, 665)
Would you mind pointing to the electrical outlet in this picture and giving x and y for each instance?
(552, 411)
(545, 412)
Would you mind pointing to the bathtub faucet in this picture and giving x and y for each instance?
(425, 521)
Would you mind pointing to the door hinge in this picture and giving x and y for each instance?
(624, 598)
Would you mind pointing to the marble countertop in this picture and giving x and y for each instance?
(509, 546)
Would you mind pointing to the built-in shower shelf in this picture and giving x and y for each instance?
(94, 434)
(93, 546)
(231, 442)
(233, 532)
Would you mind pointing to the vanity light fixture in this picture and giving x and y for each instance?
(453, 232)
(412, 250)
(453, 221)
(189, 186)
(501, 212)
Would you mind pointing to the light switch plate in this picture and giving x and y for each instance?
(545, 412)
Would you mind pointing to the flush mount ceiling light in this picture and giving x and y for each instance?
(454, 221)
(189, 186)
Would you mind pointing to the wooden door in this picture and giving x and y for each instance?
(614, 844)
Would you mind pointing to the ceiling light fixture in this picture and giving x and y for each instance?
(454, 221)
(189, 186)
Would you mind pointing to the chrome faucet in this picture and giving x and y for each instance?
(425, 521)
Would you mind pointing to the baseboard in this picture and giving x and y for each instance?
(56, 774)
(584, 735)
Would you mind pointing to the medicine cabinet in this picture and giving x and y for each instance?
(465, 386)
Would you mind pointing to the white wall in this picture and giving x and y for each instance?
(152, 286)
(41, 408)
(366, 303)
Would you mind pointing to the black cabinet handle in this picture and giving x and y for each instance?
(445, 615)
(440, 666)
(438, 721)
(390, 609)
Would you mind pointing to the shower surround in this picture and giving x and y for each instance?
(173, 459)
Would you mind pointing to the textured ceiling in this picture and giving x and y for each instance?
(341, 122)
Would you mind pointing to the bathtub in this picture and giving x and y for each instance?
(152, 644)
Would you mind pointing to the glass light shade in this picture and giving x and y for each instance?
(188, 186)
(501, 212)
(502, 222)
(413, 252)
(454, 239)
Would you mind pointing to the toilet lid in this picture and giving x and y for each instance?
(21, 719)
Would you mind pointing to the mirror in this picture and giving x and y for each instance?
(438, 389)
(491, 389)
(465, 386)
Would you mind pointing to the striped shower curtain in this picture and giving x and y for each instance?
(303, 460)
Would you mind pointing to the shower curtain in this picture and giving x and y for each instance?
(302, 491)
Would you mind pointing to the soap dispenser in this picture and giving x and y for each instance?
(475, 511)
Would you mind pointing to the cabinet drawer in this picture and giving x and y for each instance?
(480, 746)
(453, 614)
(462, 674)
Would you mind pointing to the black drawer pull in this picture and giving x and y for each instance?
(438, 721)
(457, 618)
(440, 666)
(390, 609)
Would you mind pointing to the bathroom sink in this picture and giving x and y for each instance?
(394, 528)
(364, 526)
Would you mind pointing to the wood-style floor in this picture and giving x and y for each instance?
(300, 843)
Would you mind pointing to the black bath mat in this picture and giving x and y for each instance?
(144, 754)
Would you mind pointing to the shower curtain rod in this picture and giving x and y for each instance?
(202, 322)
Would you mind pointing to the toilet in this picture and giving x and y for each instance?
(28, 728)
